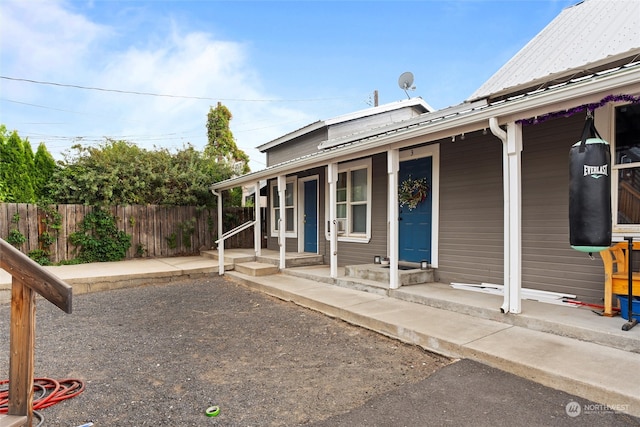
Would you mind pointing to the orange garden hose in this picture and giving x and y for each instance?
(47, 392)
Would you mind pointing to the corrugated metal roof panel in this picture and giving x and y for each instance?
(582, 38)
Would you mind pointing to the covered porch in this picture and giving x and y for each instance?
(303, 275)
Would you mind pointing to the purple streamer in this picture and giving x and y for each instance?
(586, 107)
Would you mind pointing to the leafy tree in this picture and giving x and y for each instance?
(221, 144)
(119, 172)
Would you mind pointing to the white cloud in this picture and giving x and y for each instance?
(48, 42)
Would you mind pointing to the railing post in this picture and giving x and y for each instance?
(21, 349)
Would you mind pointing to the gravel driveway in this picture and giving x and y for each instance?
(160, 355)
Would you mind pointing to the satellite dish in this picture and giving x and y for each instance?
(406, 82)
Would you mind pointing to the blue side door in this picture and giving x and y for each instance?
(311, 216)
(414, 227)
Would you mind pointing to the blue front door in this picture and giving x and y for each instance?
(414, 227)
(311, 216)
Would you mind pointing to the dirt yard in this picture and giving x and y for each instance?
(161, 355)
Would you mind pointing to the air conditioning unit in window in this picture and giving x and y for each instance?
(341, 225)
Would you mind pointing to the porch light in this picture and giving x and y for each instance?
(377, 259)
(424, 265)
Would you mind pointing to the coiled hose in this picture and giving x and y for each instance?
(46, 392)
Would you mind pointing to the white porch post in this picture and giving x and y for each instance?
(393, 166)
(257, 230)
(332, 178)
(514, 152)
(282, 186)
(221, 243)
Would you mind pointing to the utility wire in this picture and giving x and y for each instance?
(161, 94)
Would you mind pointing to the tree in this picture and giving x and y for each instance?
(16, 168)
(121, 173)
(221, 144)
(45, 166)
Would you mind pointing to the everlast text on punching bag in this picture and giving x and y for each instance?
(590, 192)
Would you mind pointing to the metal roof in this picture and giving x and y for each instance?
(582, 39)
(418, 102)
(449, 121)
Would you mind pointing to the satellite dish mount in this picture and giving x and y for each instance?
(406, 82)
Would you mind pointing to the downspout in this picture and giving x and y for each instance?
(497, 131)
(221, 244)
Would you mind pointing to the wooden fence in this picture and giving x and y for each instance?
(156, 231)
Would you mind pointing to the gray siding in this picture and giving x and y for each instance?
(471, 232)
(296, 148)
(358, 253)
(292, 243)
(548, 261)
(471, 217)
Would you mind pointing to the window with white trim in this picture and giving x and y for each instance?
(289, 219)
(353, 201)
(626, 164)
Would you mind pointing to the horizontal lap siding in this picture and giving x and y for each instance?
(471, 210)
(548, 262)
(350, 253)
(296, 148)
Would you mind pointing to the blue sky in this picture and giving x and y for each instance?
(277, 66)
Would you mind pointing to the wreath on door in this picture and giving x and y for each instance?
(412, 192)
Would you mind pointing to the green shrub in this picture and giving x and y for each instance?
(99, 240)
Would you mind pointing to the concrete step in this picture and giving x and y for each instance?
(231, 258)
(254, 268)
(293, 260)
(380, 273)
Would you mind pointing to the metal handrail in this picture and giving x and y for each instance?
(235, 231)
(225, 236)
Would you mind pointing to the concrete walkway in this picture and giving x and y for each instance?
(570, 349)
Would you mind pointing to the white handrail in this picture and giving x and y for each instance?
(236, 230)
(225, 236)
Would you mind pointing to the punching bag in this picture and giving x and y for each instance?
(590, 192)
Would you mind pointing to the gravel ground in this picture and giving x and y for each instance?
(160, 355)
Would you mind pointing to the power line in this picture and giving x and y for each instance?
(129, 92)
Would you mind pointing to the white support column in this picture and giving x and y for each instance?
(257, 229)
(221, 244)
(282, 242)
(514, 152)
(332, 178)
(393, 166)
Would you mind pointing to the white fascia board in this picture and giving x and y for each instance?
(424, 126)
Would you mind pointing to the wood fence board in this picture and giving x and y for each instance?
(149, 226)
(32, 226)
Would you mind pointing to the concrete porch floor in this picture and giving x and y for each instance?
(575, 322)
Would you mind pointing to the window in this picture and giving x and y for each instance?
(353, 201)
(289, 220)
(626, 164)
